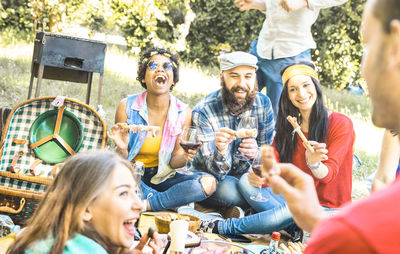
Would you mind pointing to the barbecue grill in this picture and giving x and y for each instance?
(67, 58)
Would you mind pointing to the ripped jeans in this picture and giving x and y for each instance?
(176, 191)
(272, 215)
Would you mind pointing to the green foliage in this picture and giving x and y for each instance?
(358, 106)
(138, 21)
(17, 17)
(339, 49)
(219, 26)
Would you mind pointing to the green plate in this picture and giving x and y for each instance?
(71, 131)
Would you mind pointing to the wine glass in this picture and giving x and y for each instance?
(256, 166)
(189, 139)
(247, 128)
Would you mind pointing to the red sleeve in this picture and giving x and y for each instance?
(340, 139)
(334, 235)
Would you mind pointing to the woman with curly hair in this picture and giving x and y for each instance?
(161, 153)
(91, 207)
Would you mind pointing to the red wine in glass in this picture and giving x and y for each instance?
(257, 169)
(189, 145)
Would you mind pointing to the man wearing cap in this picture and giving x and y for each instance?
(218, 116)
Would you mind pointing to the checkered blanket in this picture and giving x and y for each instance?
(19, 126)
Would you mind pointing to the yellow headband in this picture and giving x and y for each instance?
(294, 70)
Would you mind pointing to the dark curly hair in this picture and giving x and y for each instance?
(144, 61)
(318, 122)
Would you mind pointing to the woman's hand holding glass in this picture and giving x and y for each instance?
(190, 142)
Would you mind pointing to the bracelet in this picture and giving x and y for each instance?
(315, 166)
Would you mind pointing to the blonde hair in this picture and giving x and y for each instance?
(60, 213)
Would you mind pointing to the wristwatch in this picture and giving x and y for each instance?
(315, 166)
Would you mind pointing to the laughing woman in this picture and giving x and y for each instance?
(160, 153)
(331, 134)
(91, 207)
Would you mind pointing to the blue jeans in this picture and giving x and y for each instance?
(269, 73)
(226, 195)
(273, 214)
(174, 192)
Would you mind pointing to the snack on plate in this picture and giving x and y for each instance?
(246, 133)
(148, 128)
(174, 216)
(163, 219)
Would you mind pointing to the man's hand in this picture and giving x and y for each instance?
(249, 147)
(298, 189)
(293, 5)
(223, 138)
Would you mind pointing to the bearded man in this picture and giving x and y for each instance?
(218, 116)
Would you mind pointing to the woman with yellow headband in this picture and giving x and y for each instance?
(330, 134)
(162, 184)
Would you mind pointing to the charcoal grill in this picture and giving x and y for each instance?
(67, 58)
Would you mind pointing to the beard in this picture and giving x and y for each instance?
(234, 105)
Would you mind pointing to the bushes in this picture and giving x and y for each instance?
(339, 49)
(218, 26)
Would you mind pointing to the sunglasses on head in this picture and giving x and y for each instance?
(153, 65)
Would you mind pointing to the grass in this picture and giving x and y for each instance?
(195, 83)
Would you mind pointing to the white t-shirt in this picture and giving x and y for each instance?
(289, 33)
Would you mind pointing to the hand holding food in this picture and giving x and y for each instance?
(269, 166)
(247, 133)
(319, 154)
(297, 129)
(223, 138)
(149, 128)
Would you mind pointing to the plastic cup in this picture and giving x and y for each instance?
(179, 230)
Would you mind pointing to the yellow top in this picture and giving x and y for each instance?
(148, 154)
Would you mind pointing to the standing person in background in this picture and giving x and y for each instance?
(285, 38)
(158, 72)
(371, 225)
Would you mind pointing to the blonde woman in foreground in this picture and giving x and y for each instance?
(91, 207)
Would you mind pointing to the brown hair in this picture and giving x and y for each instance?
(60, 214)
(386, 11)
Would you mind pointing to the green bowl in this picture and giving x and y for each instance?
(71, 131)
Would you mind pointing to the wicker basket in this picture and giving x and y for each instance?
(19, 204)
(20, 195)
(162, 222)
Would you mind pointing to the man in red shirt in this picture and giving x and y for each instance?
(371, 225)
